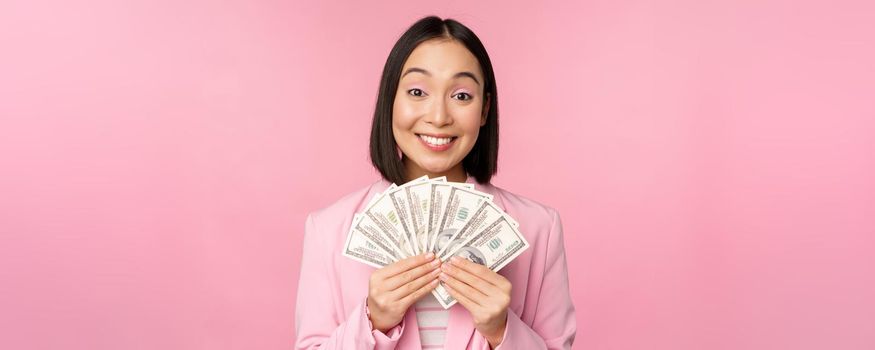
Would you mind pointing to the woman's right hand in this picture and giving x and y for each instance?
(393, 288)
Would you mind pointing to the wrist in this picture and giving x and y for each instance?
(378, 325)
(496, 339)
(496, 336)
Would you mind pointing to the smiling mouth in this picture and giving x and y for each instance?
(436, 141)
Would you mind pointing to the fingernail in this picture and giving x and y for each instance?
(436, 272)
(435, 263)
(443, 277)
(429, 256)
(446, 267)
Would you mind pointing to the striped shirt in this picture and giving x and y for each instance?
(432, 319)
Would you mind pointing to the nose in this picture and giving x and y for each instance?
(439, 114)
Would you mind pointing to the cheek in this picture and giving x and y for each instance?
(468, 119)
(403, 115)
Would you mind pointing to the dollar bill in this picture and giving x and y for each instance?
(383, 213)
(379, 195)
(368, 246)
(433, 215)
(382, 217)
(417, 198)
(487, 212)
(401, 204)
(438, 195)
(494, 246)
(461, 204)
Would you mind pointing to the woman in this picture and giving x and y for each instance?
(436, 115)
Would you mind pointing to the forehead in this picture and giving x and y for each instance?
(443, 58)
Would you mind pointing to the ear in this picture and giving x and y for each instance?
(486, 104)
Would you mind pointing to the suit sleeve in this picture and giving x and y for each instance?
(319, 323)
(553, 325)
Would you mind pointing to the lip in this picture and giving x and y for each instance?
(434, 135)
(440, 148)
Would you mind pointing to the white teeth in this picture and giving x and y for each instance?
(436, 141)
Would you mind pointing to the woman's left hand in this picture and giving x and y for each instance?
(485, 294)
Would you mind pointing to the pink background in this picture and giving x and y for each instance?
(713, 161)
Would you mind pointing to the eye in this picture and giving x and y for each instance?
(464, 96)
(416, 92)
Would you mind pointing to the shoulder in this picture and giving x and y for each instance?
(539, 223)
(340, 212)
(541, 226)
(524, 208)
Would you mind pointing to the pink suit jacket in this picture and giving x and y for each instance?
(332, 290)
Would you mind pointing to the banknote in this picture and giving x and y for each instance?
(487, 212)
(404, 204)
(383, 218)
(379, 195)
(384, 213)
(363, 249)
(417, 199)
(438, 194)
(494, 246)
(460, 205)
(368, 246)
(433, 215)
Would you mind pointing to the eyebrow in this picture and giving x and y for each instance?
(457, 75)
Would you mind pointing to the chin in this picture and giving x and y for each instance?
(436, 168)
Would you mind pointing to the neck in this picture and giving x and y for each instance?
(454, 174)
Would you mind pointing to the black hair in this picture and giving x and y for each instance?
(482, 161)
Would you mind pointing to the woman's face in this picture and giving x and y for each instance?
(438, 108)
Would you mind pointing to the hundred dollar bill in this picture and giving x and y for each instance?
(417, 198)
(494, 246)
(383, 219)
(461, 205)
(383, 214)
(378, 195)
(438, 194)
(486, 213)
(365, 245)
(391, 188)
(400, 201)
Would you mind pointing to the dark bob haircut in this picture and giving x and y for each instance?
(482, 161)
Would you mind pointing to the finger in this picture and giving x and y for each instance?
(472, 294)
(419, 293)
(405, 277)
(470, 279)
(478, 270)
(405, 264)
(414, 285)
(462, 299)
